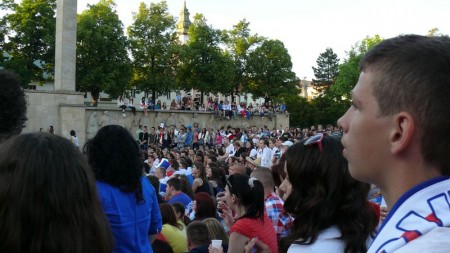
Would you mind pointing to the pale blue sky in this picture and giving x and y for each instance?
(307, 28)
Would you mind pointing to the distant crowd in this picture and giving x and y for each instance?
(222, 109)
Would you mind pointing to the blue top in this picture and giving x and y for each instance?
(131, 222)
(184, 199)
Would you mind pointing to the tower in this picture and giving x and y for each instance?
(183, 25)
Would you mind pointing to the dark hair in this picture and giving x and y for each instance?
(186, 186)
(412, 74)
(115, 158)
(212, 157)
(49, 201)
(251, 197)
(161, 246)
(205, 207)
(174, 164)
(72, 133)
(188, 161)
(179, 208)
(14, 105)
(218, 175)
(183, 163)
(324, 194)
(201, 168)
(155, 182)
(175, 182)
(197, 233)
(278, 171)
(168, 215)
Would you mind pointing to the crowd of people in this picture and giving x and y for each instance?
(222, 109)
(248, 190)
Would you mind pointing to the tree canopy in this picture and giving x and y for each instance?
(153, 47)
(203, 65)
(326, 71)
(102, 57)
(349, 69)
(30, 28)
(239, 44)
(270, 70)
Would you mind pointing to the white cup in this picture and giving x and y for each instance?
(216, 243)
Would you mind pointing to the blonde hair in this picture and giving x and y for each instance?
(216, 230)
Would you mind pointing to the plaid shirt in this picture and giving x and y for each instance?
(281, 221)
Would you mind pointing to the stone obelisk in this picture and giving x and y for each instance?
(65, 51)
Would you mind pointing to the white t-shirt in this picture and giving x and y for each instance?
(328, 241)
(230, 150)
(266, 155)
(253, 153)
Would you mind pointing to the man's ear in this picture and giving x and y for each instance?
(402, 132)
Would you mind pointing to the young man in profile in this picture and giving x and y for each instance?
(396, 135)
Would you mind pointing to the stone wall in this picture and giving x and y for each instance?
(65, 111)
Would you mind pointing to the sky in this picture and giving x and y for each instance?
(307, 28)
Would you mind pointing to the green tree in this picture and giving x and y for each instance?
(204, 66)
(239, 43)
(153, 41)
(270, 70)
(102, 59)
(30, 27)
(349, 69)
(326, 71)
(300, 113)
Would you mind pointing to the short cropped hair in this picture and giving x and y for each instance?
(412, 74)
(175, 182)
(264, 175)
(197, 233)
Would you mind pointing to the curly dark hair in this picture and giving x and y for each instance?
(115, 159)
(324, 194)
(49, 202)
(13, 102)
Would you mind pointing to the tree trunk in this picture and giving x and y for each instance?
(95, 95)
(201, 97)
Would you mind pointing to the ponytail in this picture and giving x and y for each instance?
(250, 192)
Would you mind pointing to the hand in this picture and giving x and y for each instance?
(383, 213)
(226, 214)
(259, 246)
(211, 249)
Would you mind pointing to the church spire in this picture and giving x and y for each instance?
(183, 24)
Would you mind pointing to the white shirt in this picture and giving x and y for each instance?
(181, 171)
(230, 150)
(265, 155)
(275, 150)
(253, 153)
(328, 241)
(435, 241)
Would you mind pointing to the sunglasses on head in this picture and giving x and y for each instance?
(316, 139)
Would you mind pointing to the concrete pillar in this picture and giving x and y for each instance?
(65, 51)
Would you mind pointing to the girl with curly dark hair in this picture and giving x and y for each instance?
(330, 208)
(128, 199)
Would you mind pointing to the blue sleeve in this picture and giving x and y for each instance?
(155, 215)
